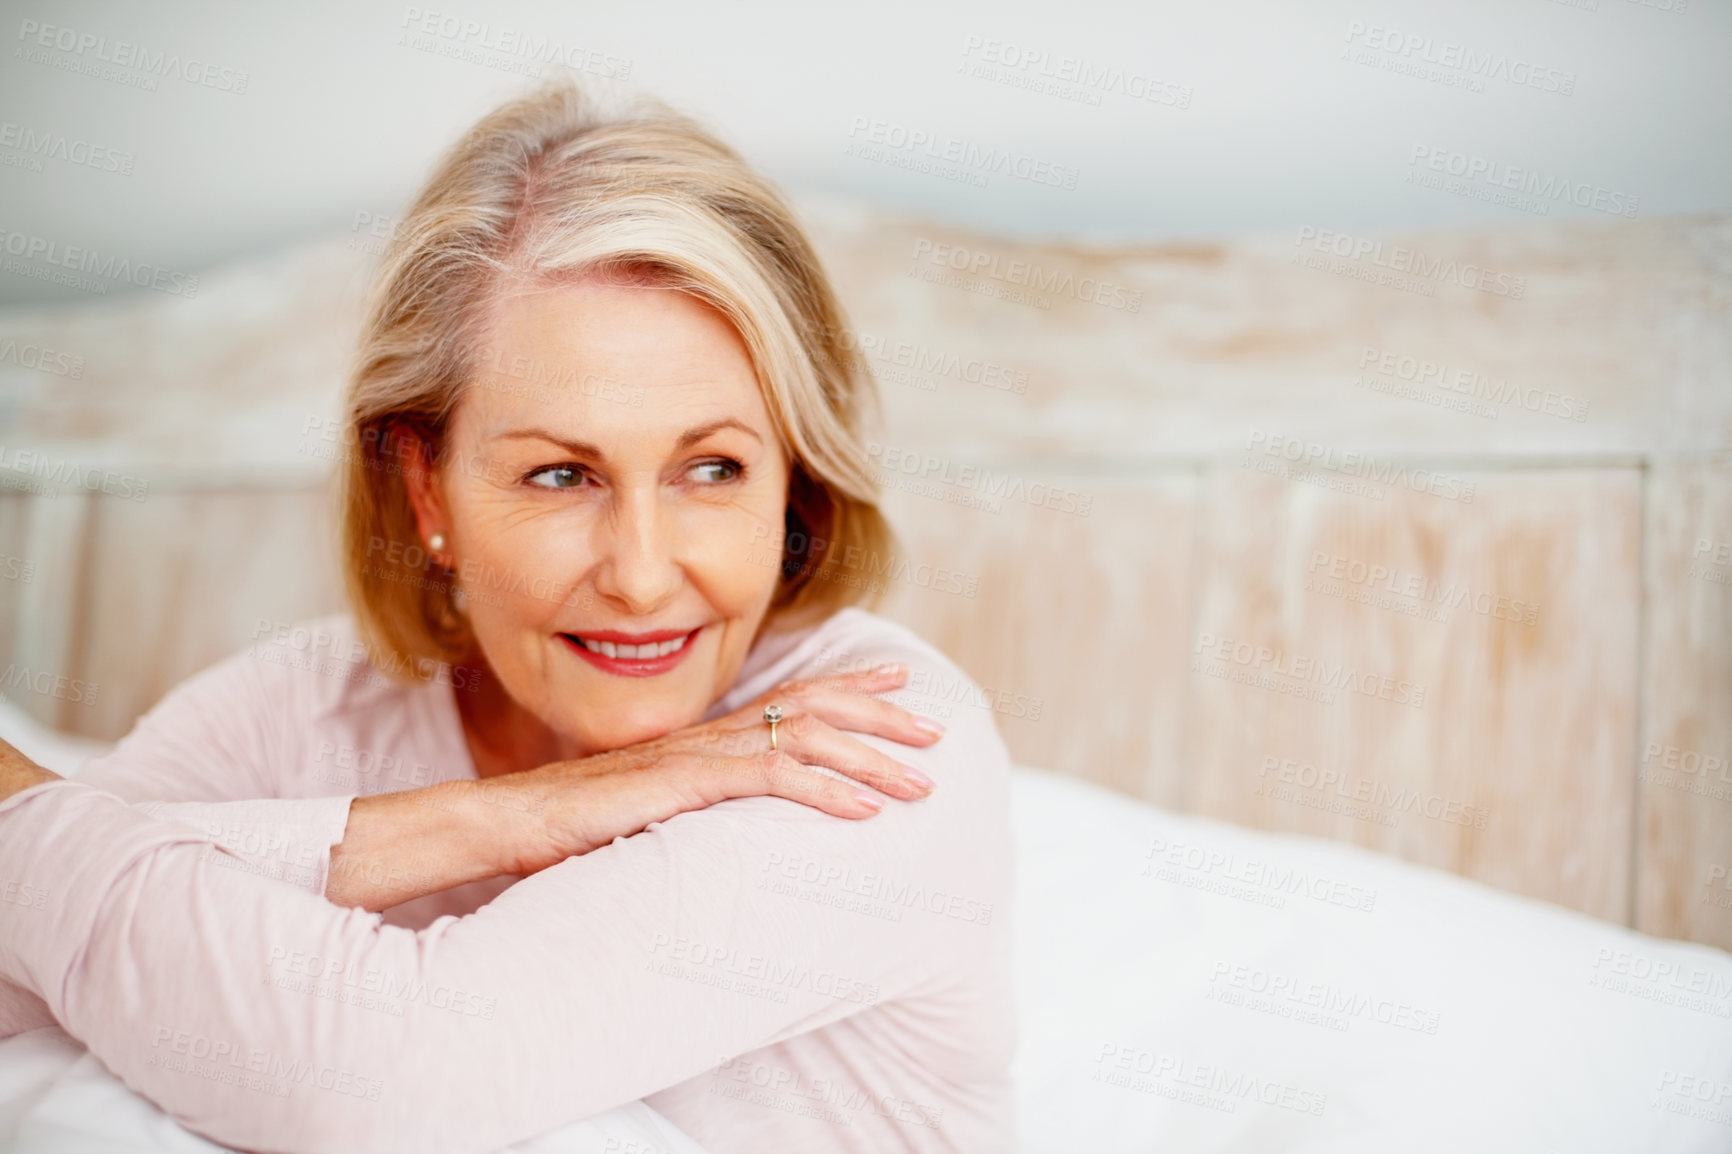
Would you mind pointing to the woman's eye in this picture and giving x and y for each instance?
(558, 477)
(714, 472)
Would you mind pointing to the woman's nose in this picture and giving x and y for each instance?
(638, 569)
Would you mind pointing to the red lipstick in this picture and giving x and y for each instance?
(637, 665)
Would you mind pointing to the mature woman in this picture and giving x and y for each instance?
(697, 857)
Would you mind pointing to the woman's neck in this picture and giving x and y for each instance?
(503, 737)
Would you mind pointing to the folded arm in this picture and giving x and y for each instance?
(268, 1018)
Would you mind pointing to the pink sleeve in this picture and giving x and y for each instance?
(220, 735)
(211, 754)
(267, 1018)
(212, 737)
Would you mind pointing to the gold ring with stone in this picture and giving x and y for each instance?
(772, 714)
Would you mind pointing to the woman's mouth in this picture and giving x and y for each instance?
(632, 654)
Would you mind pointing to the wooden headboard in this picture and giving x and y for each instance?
(1420, 542)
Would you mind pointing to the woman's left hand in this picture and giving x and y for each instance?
(573, 807)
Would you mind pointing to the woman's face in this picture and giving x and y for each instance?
(608, 473)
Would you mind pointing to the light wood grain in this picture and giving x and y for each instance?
(1078, 627)
(182, 580)
(1509, 762)
(1684, 763)
(1627, 318)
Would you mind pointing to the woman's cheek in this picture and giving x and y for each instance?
(726, 547)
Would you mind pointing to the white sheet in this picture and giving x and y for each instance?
(1445, 1016)
(1541, 1045)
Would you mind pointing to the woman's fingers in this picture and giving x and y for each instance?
(850, 702)
(786, 775)
(813, 741)
(857, 713)
(707, 780)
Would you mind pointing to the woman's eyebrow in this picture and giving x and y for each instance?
(585, 449)
(693, 436)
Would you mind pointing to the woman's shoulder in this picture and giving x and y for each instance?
(296, 697)
(850, 640)
(322, 664)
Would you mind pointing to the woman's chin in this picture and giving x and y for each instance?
(623, 731)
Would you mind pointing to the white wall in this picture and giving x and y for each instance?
(340, 117)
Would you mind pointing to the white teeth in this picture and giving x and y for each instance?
(634, 652)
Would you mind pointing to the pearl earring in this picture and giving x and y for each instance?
(436, 543)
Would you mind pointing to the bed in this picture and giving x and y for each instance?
(1186, 984)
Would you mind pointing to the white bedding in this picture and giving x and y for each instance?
(1191, 986)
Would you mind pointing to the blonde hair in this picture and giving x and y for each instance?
(554, 186)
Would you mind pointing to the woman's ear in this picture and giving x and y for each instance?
(413, 453)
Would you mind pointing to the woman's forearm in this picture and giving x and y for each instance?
(595, 982)
(400, 846)
(396, 846)
(19, 773)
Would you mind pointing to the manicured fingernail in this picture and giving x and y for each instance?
(918, 778)
(869, 801)
(929, 725)
(892, 670)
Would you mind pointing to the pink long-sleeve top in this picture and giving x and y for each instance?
(768, 977)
